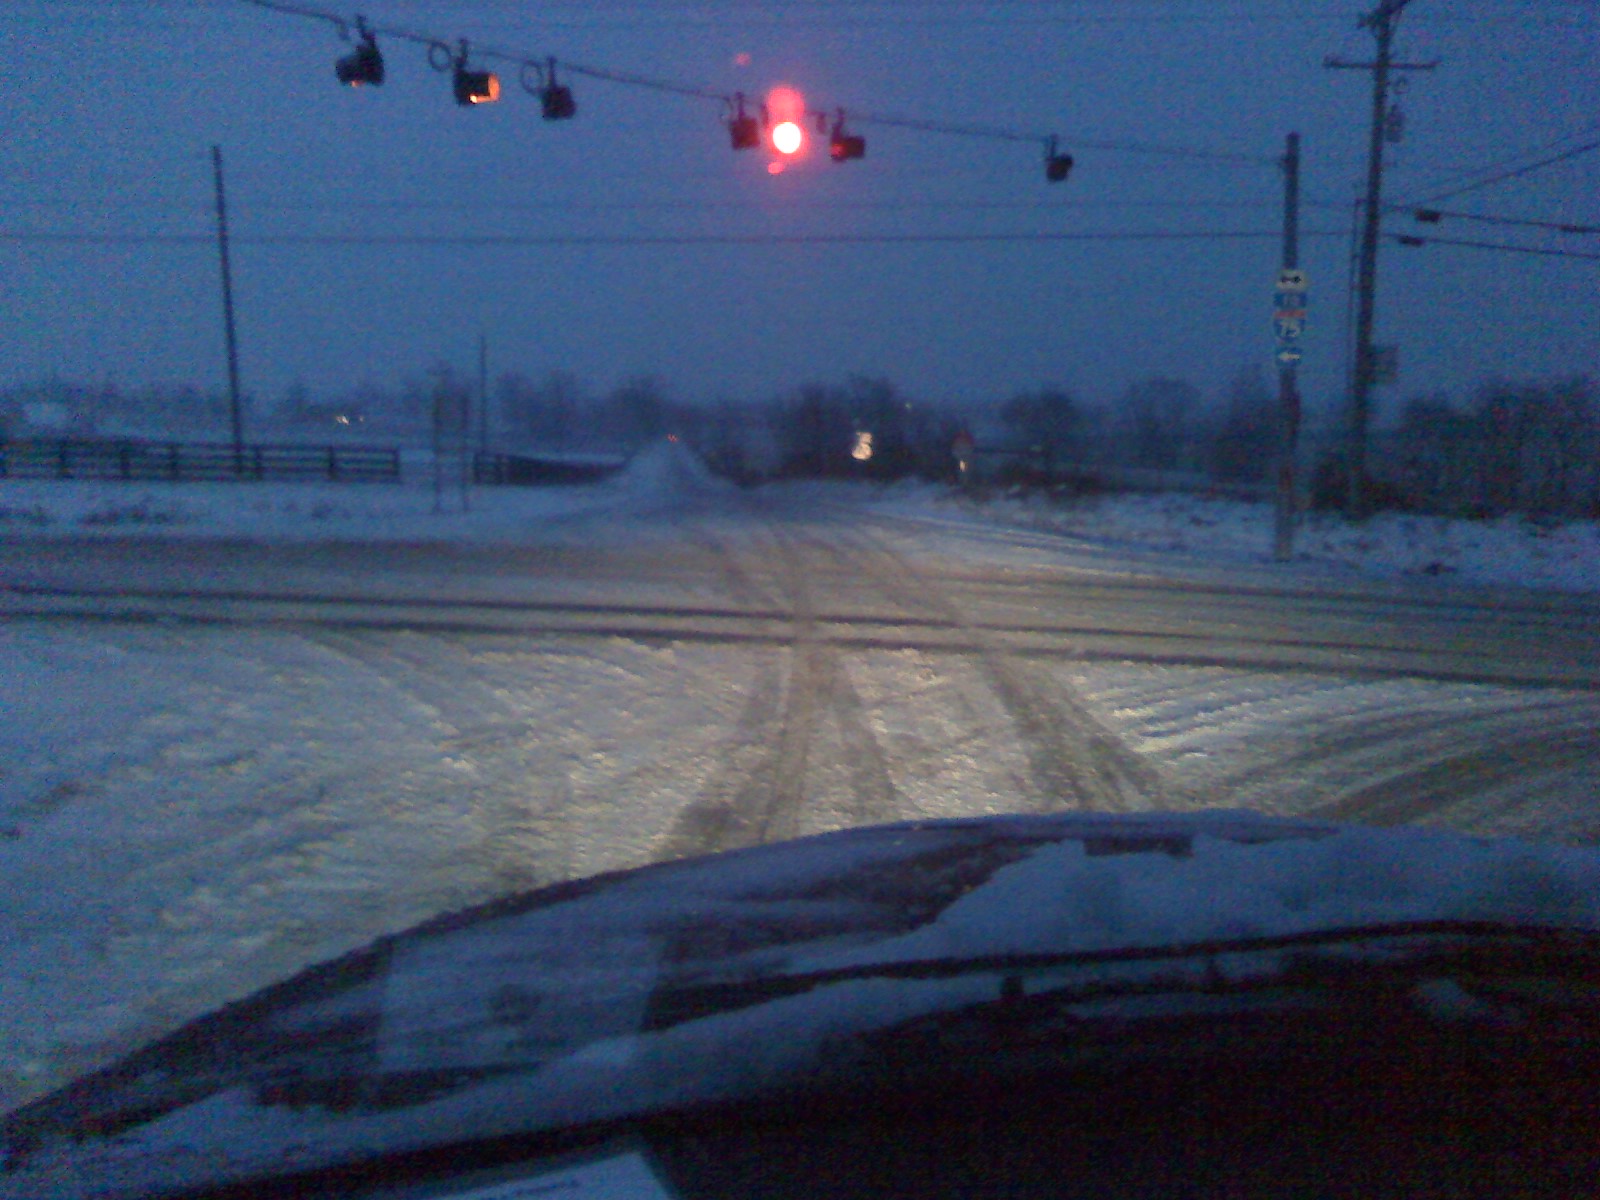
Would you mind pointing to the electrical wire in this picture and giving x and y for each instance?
(710, 239)
(1406, 239)
(1503, 176)
(256, 206)
(1435, 214)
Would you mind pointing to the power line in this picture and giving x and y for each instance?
(1432, 216)
(710, 239)
(1515, 173)
(1407, 239)
(258, 207)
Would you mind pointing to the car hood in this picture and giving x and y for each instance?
(562, 1005)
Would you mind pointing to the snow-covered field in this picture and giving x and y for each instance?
(1509, 551)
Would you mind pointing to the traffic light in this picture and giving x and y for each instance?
(842, 145)
(1057, 166)
(471, 87)
(743, 129)
(476, 87)
(364, 64)
(785, 109)
(554, 99)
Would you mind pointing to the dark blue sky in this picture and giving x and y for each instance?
(113, 106)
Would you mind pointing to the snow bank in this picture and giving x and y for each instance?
(663, 475)
(1510, 550)
(657, 478)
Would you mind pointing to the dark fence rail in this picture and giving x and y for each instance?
(526, 470)
(1001, 465)
(190, 462)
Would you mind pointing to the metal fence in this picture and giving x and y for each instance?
(189, 462)
(527, 470)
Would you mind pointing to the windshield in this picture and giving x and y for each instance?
(473, 448)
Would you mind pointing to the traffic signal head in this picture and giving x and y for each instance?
(363, 65)
(785, 109)
(556, 100)
(1057, 166)
(842, 145)
(558, 103)
(849, 146)
(470, 87)
(743, 129)
(476, 87)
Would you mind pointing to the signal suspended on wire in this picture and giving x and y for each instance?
(364, 66)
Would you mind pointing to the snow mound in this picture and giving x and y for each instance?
(665, 471)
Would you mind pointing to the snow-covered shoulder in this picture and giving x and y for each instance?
(434, 503)
(1201, 530)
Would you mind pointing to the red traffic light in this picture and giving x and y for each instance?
(786, 110)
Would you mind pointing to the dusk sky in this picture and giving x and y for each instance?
(633, 240)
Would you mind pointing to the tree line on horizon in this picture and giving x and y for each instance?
(1512, 446)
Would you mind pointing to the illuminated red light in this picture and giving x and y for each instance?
(786, 110)
(787, 137)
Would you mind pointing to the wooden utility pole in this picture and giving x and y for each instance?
(227, 315)
(1381, 21)
(483, 393)
(1288, 360)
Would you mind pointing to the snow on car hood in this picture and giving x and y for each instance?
(553, 1007)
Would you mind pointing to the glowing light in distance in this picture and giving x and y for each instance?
(862, 450)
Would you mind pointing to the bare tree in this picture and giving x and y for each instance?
(1049, 421)
(1154, 423)
(1246, 438)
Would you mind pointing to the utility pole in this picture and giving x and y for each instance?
(1288, 358)
(1381, 21)
(227, 314)
(483, 394)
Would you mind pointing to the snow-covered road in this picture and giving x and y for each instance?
(226, 759)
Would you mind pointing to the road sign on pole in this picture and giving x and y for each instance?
(1292, 279)
(1288, 327)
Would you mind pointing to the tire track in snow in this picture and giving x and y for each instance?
(1479, 758)
(761, 794)
(1074, 760)
(1465, 768)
